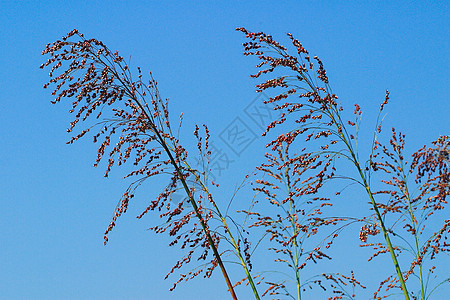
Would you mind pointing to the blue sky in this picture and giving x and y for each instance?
(56, 206)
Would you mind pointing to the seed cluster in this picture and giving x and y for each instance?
(132, 123)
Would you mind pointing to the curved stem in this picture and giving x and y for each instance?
(294, 232)
(380, 220)
(233, 241)
(413, 221)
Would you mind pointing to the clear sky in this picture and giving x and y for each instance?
(56, 205)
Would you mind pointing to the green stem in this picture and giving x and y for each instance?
(383, 228)
(294, 232)
(413, 221)
(297, 273)
(233, 241)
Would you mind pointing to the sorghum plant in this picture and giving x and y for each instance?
(319, 119)
(135, 128)
(131, 120)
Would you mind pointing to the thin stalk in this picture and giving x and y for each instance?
(413, 220)
(294, 232)
(385, 234)
(297, 273)
(416, 240)
(233, 241)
